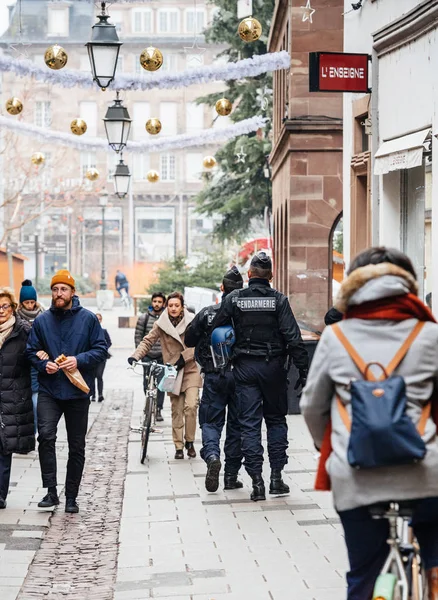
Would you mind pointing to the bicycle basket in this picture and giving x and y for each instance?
(167, 382)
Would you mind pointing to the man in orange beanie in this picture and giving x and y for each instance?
(69, 329)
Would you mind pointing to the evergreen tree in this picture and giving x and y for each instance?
(240, 192)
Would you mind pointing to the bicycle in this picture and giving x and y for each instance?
(126, 299)
(147, 420)
(402, 576)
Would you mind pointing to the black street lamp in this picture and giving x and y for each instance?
(103, 50)
(117, 125)
(122, 177)
(103, 201)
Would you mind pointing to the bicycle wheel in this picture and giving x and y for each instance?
(146, 428)
(385, 587)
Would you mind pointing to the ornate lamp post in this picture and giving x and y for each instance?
(117, 125)
(122, 178)
(103, 50)
(103, 201)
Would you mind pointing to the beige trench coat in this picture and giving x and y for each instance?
(172, 345)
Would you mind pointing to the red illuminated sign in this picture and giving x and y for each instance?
(338, 72)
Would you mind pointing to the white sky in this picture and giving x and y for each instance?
(4, 14)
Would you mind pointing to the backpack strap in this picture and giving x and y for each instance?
(363, 368)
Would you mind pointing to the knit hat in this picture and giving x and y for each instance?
(27, 292)
(63, 276)
(232, 279)
(262, 261)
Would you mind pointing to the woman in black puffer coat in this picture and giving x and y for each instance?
(16, 410)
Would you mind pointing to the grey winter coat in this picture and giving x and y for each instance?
(144, 326)
(332, 369)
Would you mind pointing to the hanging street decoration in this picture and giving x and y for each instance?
(20, 49)
(195, 52)
(152, 176)
(14, 106)
(241, 156)
(68, 78)
(176, 142)
(209, 162)
(250, 29)
(153, 126)
(223, 107)
(92, 174)
(78, 126)
(308, 12)
(37, 158)
(151, 59)
(56, 57)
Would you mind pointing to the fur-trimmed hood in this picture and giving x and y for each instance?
(374, 282)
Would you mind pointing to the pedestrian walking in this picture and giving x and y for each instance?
(16, 410)
(383, 319)
(218, 396)
(29, 309)
(101, 366)
(121, 282)
(170, 329)
(267, 336)
(66, 330)
(144, 326)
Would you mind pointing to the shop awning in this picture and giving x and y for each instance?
(401, 153)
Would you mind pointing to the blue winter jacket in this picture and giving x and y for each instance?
(75, 332)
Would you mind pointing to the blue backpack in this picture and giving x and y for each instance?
(381, 433)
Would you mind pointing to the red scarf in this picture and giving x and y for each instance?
(398, 309)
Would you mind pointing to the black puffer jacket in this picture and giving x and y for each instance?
(16, 410)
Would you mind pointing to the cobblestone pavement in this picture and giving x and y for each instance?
(176, 541)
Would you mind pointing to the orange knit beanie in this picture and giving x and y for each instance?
(63, 276)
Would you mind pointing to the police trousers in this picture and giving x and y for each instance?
(261, 391)
(218, 399)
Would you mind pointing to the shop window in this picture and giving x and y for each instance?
(336, 266)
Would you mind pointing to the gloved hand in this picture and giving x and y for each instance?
(180, 363)
(301, 381)
(131, 360)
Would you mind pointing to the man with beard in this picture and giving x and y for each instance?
(69, 329)
(144, 326)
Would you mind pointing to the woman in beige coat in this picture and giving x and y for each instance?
(170, 329)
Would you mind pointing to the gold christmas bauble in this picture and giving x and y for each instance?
(209, 162)
(152, 176)
(224, 107)
(92, 174)
(14, 106)
(153, 126)
(78, 126)
(250, 29)
(38, 158)
(151, 59)
(55, 57)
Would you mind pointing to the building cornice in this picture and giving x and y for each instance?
(407, 28)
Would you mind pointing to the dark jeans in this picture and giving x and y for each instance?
(261, 390)
(367, 547)
(99, 376)
(218, 396)
(160, 395)
(5, 472)
(75, 414)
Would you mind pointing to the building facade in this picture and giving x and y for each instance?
(390, 144)
(306, 159)
(160, 220)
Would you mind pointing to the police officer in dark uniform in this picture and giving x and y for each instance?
(267, 337)
(218, 396)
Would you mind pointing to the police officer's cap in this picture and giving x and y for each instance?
(233, 279)
(262, 261)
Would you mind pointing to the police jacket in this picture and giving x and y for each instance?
(263, 322)
(198, 337)
(74, 332)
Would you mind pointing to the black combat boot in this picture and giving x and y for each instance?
(231, 482)
(258, 488)
(277, 485)
(212, 477)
